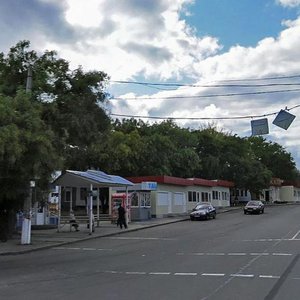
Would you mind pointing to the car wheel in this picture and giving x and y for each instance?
(262, 211)
(245, 212)
(214, 216)
(192, 219)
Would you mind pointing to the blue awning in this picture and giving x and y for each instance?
(86, 178)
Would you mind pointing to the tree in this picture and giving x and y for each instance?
(26, 150)
(209, 150)
(274, 157)
(253, 176)
(71, 100)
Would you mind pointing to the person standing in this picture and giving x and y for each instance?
(73, 221)
(122, 219)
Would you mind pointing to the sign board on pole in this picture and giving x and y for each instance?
(260, 126)
(284, 119)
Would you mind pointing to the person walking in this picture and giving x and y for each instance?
(121, 219)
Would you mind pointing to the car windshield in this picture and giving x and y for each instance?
(253, 203)
(201, 207)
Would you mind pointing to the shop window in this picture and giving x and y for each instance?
(145, 199)
(134, 200)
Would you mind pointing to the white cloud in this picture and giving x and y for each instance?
(291, 3)
(150, 40)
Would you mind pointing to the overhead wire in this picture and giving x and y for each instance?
(206, 85)
(178, 85)
(206, 96)
(202, 118)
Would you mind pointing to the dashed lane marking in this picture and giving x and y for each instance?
(233, 275)
(242, 275)
(181, 253)
(82, 249)
(213, 274)
(235, 254)
(185, 274)
(139, 238)
(269, 276)
(271, 240)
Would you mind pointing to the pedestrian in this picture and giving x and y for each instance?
(121, 220)
(73, 221)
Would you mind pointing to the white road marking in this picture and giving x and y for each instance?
(294, 237)
(235, 254)
(83, 249)
(271, 240)
(212, 274)
(269, 276)
(139, 238)
(242, 275)
(185, 274)
(112, 272)
(234, 275)
(65, 248)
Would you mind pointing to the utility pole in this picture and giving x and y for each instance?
(26, 224)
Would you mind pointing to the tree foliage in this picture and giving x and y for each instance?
(58, 124)
(26, 148)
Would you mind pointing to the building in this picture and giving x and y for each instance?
(175, 196)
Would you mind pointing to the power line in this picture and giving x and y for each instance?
(216, 85)
(211, 85)
(206, 96)
(202, 118)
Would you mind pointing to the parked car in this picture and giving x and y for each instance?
(203, 211)
(254, 207)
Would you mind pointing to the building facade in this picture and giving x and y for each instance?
(177, 196)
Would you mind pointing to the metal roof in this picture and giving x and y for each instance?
(73, 178)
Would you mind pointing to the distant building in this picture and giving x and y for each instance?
(175, 196)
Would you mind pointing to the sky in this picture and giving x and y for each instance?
(200, 62)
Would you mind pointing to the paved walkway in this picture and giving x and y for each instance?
(47, 238)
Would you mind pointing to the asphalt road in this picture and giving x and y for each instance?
(236, 256)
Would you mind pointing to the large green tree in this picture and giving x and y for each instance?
(26, 149)
(274, 157)
(71, 100)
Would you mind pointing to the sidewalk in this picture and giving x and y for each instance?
(47, 238)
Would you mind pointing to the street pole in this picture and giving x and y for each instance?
(127, 208)
(91, 210)
(26, 224)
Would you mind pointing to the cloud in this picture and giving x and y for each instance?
(150, 40)
(290, 3)
(271, 57)
(34, 20)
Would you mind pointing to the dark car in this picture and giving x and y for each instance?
(254, 207)
(203, 211)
